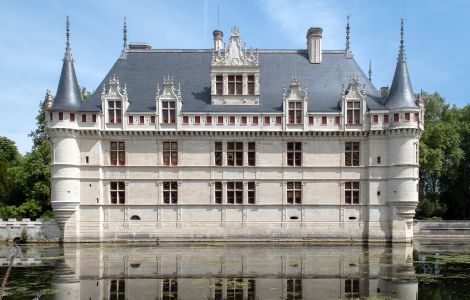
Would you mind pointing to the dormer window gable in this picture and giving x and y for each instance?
(353, 103)
(295, 102)
(234, 73)
(168, 101)
(114, 101)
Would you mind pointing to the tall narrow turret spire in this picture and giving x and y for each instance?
(124, 35)
(68, 97)
(370, 70)
(401, 53)
(68, 51)
(401, 93)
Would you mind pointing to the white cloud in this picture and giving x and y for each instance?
(295, 17)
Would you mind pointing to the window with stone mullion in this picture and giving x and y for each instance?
(351, 154)
(170, 192)
(353, 112)
(235, 192)
(118, 192)
(351, 192)
(235, 153)
(169, 112)
(118, 153)
(114, 111)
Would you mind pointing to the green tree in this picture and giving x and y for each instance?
(8, 150)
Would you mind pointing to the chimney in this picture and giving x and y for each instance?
(314, 45)
(384, 91)
(218, 36)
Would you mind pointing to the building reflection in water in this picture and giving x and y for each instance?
(248, 272)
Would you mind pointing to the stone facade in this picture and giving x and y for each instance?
(170, 172)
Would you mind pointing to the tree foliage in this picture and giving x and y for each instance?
(444, 158)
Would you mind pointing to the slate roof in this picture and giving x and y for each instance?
(141, 70)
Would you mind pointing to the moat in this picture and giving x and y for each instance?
(426, 270)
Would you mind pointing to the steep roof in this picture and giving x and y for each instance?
(141, 70)
(68, 97)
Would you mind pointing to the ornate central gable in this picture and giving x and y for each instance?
(234, 54)
(234, 72)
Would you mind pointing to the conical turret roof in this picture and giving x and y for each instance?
(401, 93)
(68, 97)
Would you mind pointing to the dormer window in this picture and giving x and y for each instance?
(219, 84)
(295, 112)
(353, 112)
(235, 84)
(114, 111)
(251, 84)
(169, 112)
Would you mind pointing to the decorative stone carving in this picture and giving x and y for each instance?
(235, 54)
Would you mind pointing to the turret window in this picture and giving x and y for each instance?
(169, 112)
(385, 119)
(396, 118)
(61, 116)
(114, 111)
(353, 112)
(72, 117)
(407, 117)
(295, 112)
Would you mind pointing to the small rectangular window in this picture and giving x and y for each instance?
(118, 192)
(208, 120)
(197, 120)
(294, 154)
(93, 118)
(50, 116)
(385, 119)
(131, 119)
(251, 193)
(379, 160)
(170, 153)
(396, 118)
(255, 120)
(267, 120)
(407, 117)
(324, 120)
(72, 117)
(61, 116)
(87, 159)
(218, 154)
(278, 120)
(220, 120)
(218, 192)
(185, 119)
(251, 153)
(141, 119)
(251, 84)
(243, 122)
(235, 192)
(231, 120)
(294, 192)
(170, 192)
(375, 119)
(337, 120)
(351, 153)
(219, 85)
(83, 118)
(351, 192)
(152, 119)
(310, 120)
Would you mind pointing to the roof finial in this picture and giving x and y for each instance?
(370, 70)
(401, 54)
(348, 30)
(68, 51)
(124, 35)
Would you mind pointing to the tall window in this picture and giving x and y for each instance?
(219, 85)
(235, 192)
(118, 153)
(170, 289)
(351, 192)
(170, 153)
(218, 154)
(170, 192)
(385, 119)
(251, 154)
(251, 192)
(251, 84)
(72, 117)
(218, 192)
(353, 112)
(169, 112)
(117, 290)
(294, 192)
(118, 192)
(61, 116)
(351, 154)
(208, 120)
(235, 153)
(396, 118)
(294, 154)
(351, 288)
(295, 112)
(235, 84)
(114, 111)
(294, 289)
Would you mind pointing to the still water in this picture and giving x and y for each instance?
(427, 270)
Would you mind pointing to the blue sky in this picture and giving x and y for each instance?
(33, 39)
